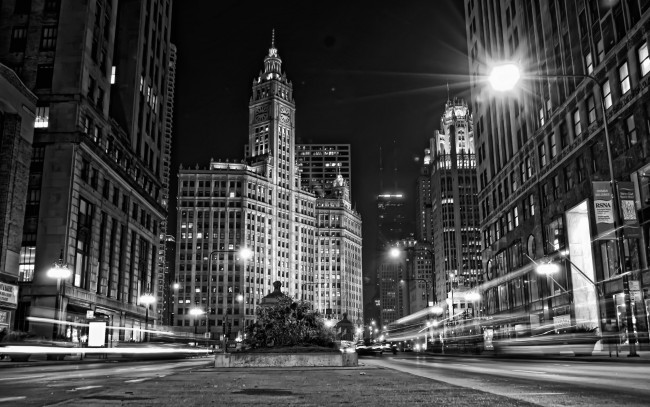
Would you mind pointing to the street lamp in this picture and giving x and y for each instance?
(395, 253)
(59, 271)
(196, 311)
(504, 77)
(245, 253)
(147, 299)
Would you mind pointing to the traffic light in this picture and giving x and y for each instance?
(228, 327)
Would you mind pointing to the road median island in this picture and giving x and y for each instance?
(301, 386)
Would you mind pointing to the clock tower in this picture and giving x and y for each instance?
(272, 120)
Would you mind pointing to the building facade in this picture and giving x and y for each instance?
(454, 216)
(17, 119)
(541, 154)
(94, 200)
(320, 165)
(165, 258)
(310, 243)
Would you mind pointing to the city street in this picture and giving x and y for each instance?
(431, 380)
(546, 382)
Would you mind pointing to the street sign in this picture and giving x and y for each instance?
(90, 314)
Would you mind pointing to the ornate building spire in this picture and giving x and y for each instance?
(272, 62)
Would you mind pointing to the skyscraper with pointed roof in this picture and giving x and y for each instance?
(310, 244)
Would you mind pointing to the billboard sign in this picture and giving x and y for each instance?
(603, 209)
(628, 210)
(9, 294)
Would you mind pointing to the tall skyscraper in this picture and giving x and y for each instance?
(99, 69)
(17, 120)
(320, 164)
(544, 163)
(454, 227)
(308, 242)
(165, 259)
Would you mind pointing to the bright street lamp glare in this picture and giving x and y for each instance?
(196, 311)
(147, 299)
(473, 296)
(59, 272)
(394, 252)
(547, 268)
(245, 253)
(436, 310)
(504, 77)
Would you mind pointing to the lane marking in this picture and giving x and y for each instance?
(22, 377)
(4, 399)
(528, 371)
(85, 388)
(137, 380)
(536, 394)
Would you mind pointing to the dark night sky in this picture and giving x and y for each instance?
(368, 73)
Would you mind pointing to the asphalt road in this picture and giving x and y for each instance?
(539, 381)
(59, 383)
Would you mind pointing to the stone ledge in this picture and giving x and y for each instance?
(285, 359)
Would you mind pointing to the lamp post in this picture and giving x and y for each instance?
(395, 253)
(504, 77)
(196, 311)
(245, 253)
(59, 271)
(147, 299)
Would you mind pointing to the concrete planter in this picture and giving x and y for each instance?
(335, 359)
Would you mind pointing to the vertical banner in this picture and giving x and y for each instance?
(603, 209)
(628, 210)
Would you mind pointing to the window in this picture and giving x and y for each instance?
(113, 72)
(555, 234)
(515, 213)
(551, 142)
(529, 167)
(644, 61)
(607, 95)
(18, 39)
(591, 107)
(577, 128)
(42, 117)
(630, 134)
(589, 63)
(580, 168)
(541, 116)
(624, 77)
(44, 76)
(48, 38)
(51, 6)
(542, 154)
(556, 186)
(26, 263)
(568, 180)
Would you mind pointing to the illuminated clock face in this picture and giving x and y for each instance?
(284, 114)
(261, 113)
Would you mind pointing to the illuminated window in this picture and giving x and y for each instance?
(607, 95)
(589, 63)
(577, 128)
(26, 263)
(113, 71)
(630, 134)
(624, 77)
(42, 117)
